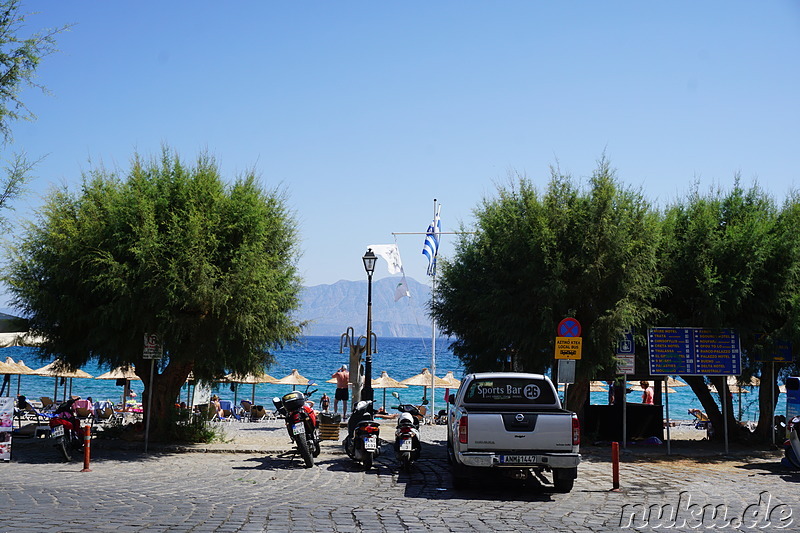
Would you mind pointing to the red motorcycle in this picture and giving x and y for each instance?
(301, 423)
(65, 429)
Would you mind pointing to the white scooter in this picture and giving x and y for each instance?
(407, 444)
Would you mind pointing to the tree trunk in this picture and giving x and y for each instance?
(577, 394)
(166, 388)
(766, 402)
(703, 393)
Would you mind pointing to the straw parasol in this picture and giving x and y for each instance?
(120, 373)
(58, 369)
(385, 382)
(249, 379)
(453, 383)
(294, 379)
(423, 379)
(9, 367)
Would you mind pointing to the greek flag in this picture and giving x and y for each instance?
(431, 246)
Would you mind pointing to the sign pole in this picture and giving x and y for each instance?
(666, 403)
(149, 404)
(725, 410)
(625, 411)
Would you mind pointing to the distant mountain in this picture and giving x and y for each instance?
(331, 309)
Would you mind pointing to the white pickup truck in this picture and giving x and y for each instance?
(512, 424)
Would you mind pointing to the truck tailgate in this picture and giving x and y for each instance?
(540, 431)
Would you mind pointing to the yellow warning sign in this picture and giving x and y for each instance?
(568, 347)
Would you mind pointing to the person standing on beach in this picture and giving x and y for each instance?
(342, 378)
(647, 393)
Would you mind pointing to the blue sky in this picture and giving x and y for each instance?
(364, 112)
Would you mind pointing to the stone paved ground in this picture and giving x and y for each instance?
(255, 484)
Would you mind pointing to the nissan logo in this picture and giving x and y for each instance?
(520, 417)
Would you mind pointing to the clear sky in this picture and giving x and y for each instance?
(364, 112)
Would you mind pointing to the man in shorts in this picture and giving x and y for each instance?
(342, 378)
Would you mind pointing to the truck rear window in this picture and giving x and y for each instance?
(510, 390)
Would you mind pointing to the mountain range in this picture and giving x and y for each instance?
(331, 309)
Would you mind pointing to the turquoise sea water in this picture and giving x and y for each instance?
(318, 357)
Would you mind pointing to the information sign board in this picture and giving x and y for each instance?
(626, 363)
(568, 347)
(694, 352)
(152, 347)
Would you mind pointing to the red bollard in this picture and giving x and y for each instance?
(87, 439)
(615, 465)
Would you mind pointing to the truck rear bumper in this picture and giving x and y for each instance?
(533, 460)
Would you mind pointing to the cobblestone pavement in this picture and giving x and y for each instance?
(245, 489)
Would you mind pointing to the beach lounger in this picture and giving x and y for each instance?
(258, 413)
(246, 408)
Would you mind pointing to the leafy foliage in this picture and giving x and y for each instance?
(537, 258)
(169, 250)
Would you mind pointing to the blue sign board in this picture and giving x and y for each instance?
(625, 346)
(694, 352)
(569, 327)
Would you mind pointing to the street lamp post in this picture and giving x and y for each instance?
(369, 265)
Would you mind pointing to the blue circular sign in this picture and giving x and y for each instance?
(569, 327)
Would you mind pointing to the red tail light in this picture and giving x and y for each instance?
(576, 430)
(462, 429)
(405, 429)
(371, 429)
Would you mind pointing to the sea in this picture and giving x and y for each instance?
(317, 358)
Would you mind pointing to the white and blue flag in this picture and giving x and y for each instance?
(431, 247)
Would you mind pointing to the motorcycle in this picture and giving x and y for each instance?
(407, 444)
(65, 429)
(301, 423)
(362, 443)
(791, 448)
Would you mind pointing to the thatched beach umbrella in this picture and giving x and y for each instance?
(385, 382)
(248, 379)
(126, 373)
(294, 379)
(19, 369)
(423, 379)
(58, 369)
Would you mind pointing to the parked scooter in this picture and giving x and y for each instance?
(791, 448)
(301, 423)
(407, 444)
(362, 443)
(65, 429)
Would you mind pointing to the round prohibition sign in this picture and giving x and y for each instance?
(569, 327)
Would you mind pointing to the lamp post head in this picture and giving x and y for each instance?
(369, 261)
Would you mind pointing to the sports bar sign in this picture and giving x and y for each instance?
(694, 352)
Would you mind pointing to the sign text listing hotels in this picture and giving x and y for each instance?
(694, 351)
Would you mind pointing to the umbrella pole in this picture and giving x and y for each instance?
(235, 394)
(253, 398)
(384, 398)
(55, 390)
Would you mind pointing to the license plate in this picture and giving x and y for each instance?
(406, 445)
(57, 431)
(370, 443)
(518, 459)
(299, 429)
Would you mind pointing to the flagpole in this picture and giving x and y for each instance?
(433, 320)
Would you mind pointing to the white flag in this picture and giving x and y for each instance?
(401, 289)
(391, 253)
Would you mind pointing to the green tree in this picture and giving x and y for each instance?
(729, 260)
(20, 57)
(169, 250)
(535, 259)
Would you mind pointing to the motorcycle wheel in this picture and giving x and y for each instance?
(305, 452)
(367, 461)
(405, 461)
(316, 449)
(61, 444)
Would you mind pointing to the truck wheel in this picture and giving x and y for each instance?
(563, 481)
